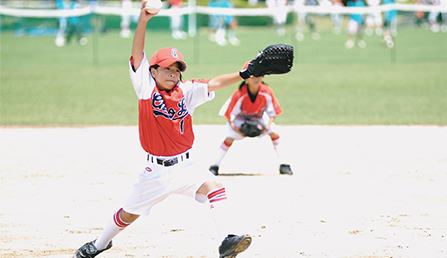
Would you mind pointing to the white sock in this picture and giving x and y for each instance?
(221, 152)
(275, 143)
(113, 228)
(219, 208)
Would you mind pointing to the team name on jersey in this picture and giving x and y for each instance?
(160, 109)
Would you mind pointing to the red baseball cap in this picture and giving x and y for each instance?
(165, 57)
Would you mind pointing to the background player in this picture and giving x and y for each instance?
(337, 18)
(176, 20)
(278, 9)
(126, 6)
(223, 26)
(252, 100)
(374, 20)
(305, 18)
(166, 105)
(355, 26)
(60, 36)
(390, 25)
(74, 25)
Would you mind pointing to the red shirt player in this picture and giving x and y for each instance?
(166, 104)
(176, 19)
(253, 100)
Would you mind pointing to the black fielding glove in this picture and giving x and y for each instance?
(274, 59)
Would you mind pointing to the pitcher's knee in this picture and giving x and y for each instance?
(209, 186)
(128, 217)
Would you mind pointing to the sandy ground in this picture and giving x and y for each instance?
(357, 192)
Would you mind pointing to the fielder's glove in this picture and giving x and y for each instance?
(252, 128)
(275, 59)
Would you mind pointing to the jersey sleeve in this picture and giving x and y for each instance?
(233, 106)
(142, 80)
(224, 107)
(196, 93)
(273, 108)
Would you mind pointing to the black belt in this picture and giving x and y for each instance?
(168, 162)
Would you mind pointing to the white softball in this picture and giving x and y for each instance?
(155, 6)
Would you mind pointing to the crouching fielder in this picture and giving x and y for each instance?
(254, 100)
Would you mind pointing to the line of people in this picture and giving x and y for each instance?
(435, 20)
(358, 23)
(223, 27)
(384, 24)
(381, 23)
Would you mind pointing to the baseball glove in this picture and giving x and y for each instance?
(274, 59)
(252, 128)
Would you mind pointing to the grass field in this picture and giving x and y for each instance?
(43, 85)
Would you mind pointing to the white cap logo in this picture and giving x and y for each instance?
(174, 53)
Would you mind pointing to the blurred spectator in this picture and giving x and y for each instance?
(431, 19)
(278, 9)
(337, 18)
(434, 15)
(223, 26)
(444, 16)
(126, 6)
(60, 36)
(88, 20)
(176, 20)
(74, 26)
(420, 15)
(355, 26)
(390, 24)
(305, 18)
(374, 21)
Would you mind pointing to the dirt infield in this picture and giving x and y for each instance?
(367, 191)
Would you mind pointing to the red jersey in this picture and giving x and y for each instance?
(239, 105)
(165, 122)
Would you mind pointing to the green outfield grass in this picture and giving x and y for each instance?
(43, 85)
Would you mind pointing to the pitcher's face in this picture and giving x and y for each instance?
(166, 77)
